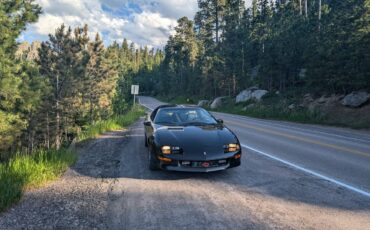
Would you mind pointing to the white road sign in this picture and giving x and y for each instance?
(135, 89)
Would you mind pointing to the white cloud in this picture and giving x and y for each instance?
(150, 28)
(145, 27)
(146, 22)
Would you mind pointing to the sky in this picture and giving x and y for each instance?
(144, 22)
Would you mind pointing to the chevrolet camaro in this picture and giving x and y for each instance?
(189, 138)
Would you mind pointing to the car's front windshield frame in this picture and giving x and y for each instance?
(177, 117)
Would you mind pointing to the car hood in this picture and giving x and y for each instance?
(197, 142)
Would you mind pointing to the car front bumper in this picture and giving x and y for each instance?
(177, 166)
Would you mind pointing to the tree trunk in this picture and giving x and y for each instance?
(57, 129)
(234, 85)
(300, 7)
(319, 15)
(47, 131)
(91, 109)
(306, 8)
(243, 70)
(217, 22)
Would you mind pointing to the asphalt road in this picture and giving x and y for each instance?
(339, 155)
(261, 194)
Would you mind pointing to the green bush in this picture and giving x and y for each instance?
(31, 171)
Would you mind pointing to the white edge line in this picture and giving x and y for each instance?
(354, 189)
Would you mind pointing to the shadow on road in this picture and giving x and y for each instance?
(122, 155)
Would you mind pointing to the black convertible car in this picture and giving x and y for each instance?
(188, 138)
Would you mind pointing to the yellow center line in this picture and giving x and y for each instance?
(303, 139)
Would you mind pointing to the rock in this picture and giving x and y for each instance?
(322, 103)
(322, 100)
(334, 99)
(291, 107)
(217, 103)
(250, 93)
(307, 100)
(244, 95)
(258, 94)
(253, 88)
(355, 99)
(203, 103)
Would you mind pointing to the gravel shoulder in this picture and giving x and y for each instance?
(78, 200)
(110, 187)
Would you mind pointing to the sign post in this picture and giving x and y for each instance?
(134, 91)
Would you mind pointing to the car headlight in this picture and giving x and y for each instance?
(231, 148)
(170, 149)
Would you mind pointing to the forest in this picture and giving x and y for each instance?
(53, 90)
(315, 46)
(49, 95)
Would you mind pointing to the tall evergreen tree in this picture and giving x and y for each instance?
(63, 60)
(14, 16)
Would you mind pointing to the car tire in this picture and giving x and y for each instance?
(153, 161)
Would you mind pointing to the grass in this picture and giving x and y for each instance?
(23, 172)
(114, 123)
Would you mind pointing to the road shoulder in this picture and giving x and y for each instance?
(79, 199)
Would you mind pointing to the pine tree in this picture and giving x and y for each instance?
(233, 44)
(14, 16)
(63, 61)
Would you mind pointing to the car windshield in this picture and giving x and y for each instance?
(184, 116)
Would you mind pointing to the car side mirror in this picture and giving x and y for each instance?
(147, 123)
(220, 121)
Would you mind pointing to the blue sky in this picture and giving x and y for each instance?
(145, 22)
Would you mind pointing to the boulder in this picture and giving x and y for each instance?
(217, 103)
(249, 94)
(244, 95)
(291, 107)
(334, 99)
(258, 94)
(322, 100)
(355, 99)
(203, 103)
(307, 100)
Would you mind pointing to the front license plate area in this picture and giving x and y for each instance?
(203, 164)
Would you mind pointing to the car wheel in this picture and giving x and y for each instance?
(146, 141)
(153, 161)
